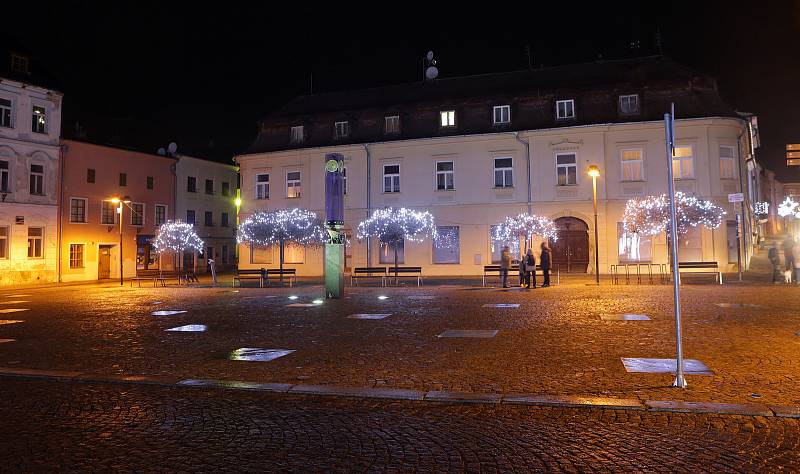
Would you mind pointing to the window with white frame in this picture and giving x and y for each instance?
(632, 164)
(108, 212)
(137, 213)
(447, 245)
(161, 214)
(210, 186)
(391, 178)
(35, 242)
(209, 220)
(448, 118)
(633, 247)
(566, 169)
(293, 185)
(77, 209)
(37, 180)
(683, 162)
(727, 157)
(386, 251)
(3, 242)
(501, 114)
(262, 186)
(76, 252)
(629, 104)
(444, 175)
(391, 124)
(296, 135)
(342, 130)
(503, 172)
(6, 112)
(565, 109)
(39, 119)
(496, 247)
(5, 177)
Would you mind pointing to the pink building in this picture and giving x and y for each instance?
(90, 230)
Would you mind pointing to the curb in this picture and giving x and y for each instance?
(434, 396)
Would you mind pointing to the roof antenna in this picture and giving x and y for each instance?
(659, 45)
(528, 55)
(430, 71)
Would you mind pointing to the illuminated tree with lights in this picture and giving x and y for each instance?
(524, 225)
(266, 228)
(177, 237)
(393, 226)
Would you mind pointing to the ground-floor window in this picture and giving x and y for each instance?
(447, 245)
(76, 252)
(690, 247)
(3, 242)
(224, 254)
(632, 247)
(496, 246)
(35, 242)
(733, 243)
(387, 252)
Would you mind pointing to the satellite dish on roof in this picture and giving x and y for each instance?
(161, 151)
(429, 55)
(172, 148)
(431, 73)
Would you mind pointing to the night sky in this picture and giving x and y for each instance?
(144, 74)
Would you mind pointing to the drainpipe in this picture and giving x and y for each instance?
(527, 167)
(60, 206)
(369, 200)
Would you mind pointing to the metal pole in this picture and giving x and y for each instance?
(120, 244)
(596, 233)
(669, 126)
(739, 237)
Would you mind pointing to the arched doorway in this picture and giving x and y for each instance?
(571, 250)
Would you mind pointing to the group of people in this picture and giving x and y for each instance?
(527, 267)
(790, 270)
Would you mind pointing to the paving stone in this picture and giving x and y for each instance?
(708, 407)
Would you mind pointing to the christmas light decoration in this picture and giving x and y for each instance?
(761, 208)
(789, 208)
(176, 236)
(650, 215)
(524, 225)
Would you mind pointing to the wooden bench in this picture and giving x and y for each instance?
(368, 272)
(700, 267)
(490, 270)
(148, 275)
(514, 270)
(406, 272)
(278, 274)
(257, 274)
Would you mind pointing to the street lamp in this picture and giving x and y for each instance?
(125, 200)
(594, 172)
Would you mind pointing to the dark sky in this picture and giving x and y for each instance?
(143, 74)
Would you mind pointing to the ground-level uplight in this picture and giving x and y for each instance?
(293, 297)
(317, 301)
(382, 297)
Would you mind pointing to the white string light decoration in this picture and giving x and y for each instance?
(650, 215)
(394, 225)
(176, 236)
(524, 225)
(789, 208)
(264, 228)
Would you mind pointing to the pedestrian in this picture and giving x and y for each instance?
(522, 271)
(775, 260)
(530, 269)
(796, 253)
(505, 264)
(544, 262)
(788, 253)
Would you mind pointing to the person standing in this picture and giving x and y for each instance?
(530, 269)
(544, 262)
(788, 253)
(775, 260)
(505, 264)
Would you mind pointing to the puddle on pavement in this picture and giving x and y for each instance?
(369, 316)
(167, 312)
(16, 296)
(189, 328)
(476, 333)
(665, 366)
(738, 305)
(624, 317)
(12, 310)
(14, 302)
(421, 297)
(253, 354)
(501, 305)
(10, 321)
(156, 303)
(303, 305)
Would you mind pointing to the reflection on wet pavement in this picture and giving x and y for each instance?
(624, 317)
(166, 313)
(12, 310)
(253, 354)
(369, 315)
(501, 305)
(2, 341)
(189, 328)
(10, 321)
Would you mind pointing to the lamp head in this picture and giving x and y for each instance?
(593, 171)
(238, 202)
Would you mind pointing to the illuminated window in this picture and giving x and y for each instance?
(297, 134)
(503, 172)
(3, 242)
(391, 178)
(501, 114)
(447, 247)
(76, 255)
(448, 118)
(35, 242)
(39, 119)
(161, 214)
(444, 175)
(293, 186)
(137, 214)
(37, 180)
(387, 250)
(5, 112)
(77, 209)
(4, 176)
(565, 109)
(632, 164)
(566, 169)
(262, 186)
(683, 162)
(342, 130)
(629, 104)
(108, 213)
(727, 155)
(391, 124)
(633, 247)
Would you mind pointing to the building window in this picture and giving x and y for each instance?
(391, 178)
(224, 220)
(293, 187)
(444, 175)
(209, 186)
(209, 221)
(137, 214)
(727, 156)
(3, 242)
(690, 248)
(190, 216)
(503, 173)
(37, 180)
(501, 114)
(108, 211)
(149, 182)
(262, 186)
(344, 180)
(5, 112)
(224, 254)
(261, 254)
(567, 169)
(632, 164)
(90, 175)
(77, 210)
(20, 64)
(123, 179)
(447, 245)
(4, 176)
(294, 253)
(191, 184)
(76, 255)
(391, 124)
(448, 118)
(39, 120)
(387, 252)
(733, 242)
(35, 242)
(683, 162)
(296, 134)
(565, 109)
(496, 246)
(161, 214)
(342, 130)
(633, 247)
(226, 189)
(629, 104)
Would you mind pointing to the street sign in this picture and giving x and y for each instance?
(736, 197)
(793, 147)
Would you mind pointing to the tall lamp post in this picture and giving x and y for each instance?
(124, 200)
(594, 172)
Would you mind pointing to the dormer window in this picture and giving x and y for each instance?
(501, 114)
(392, 124)
(448, 118)
(342, 130)
(19, 64)
(629, 104)
(565, 109)
(297, 134)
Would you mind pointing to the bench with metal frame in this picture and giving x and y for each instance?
(490, 269)
(156, 276)
(700, 267)
(368, 272)
(257, 274)
(406, 272)
(279, 274)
